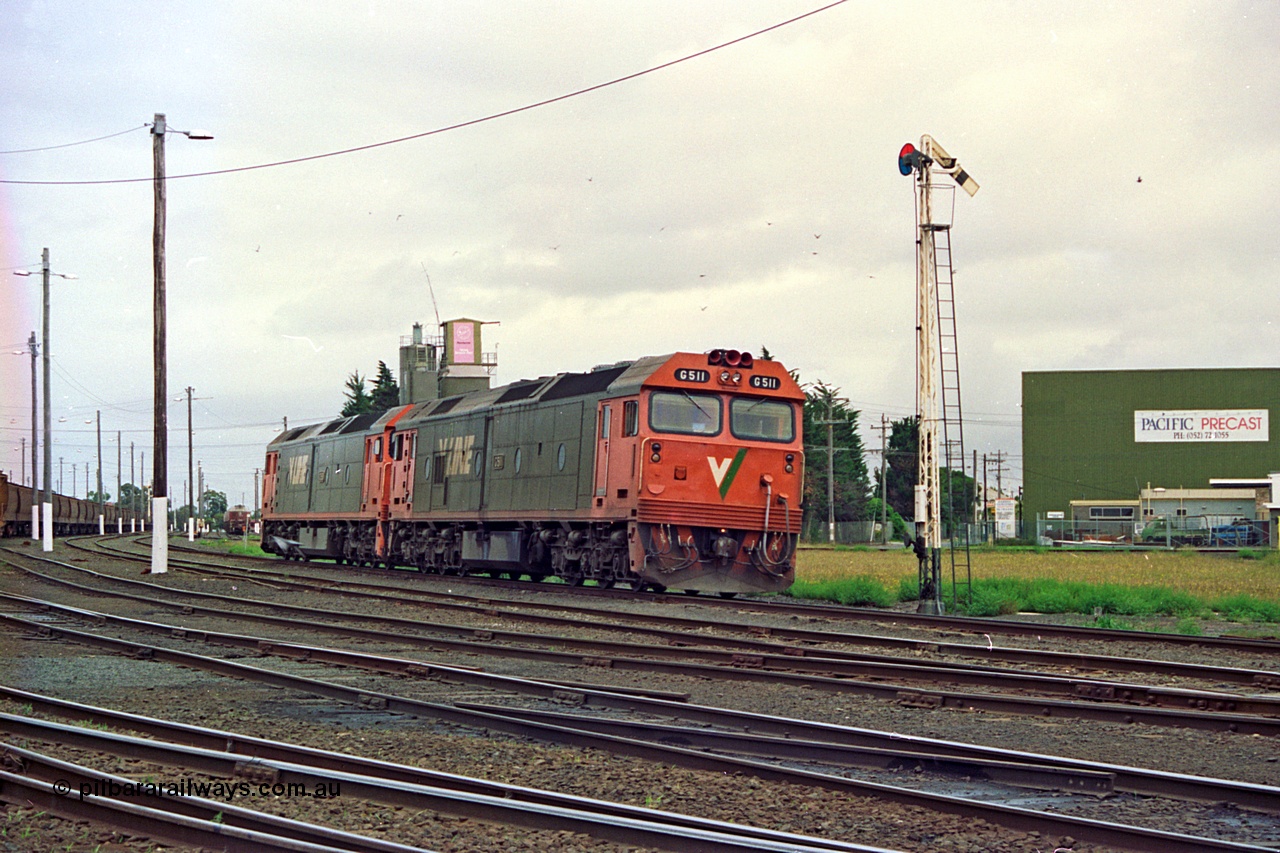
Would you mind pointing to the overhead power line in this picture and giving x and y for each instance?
(72, 144)
(458, 126)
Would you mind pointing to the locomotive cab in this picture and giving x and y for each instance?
(707, 459)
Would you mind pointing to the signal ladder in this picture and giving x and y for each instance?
(952, 417)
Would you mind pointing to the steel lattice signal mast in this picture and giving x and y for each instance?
(923, 161)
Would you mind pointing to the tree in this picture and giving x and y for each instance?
(850, 484)
(386, 393)
(215, 503)
(900, 480)
(133, 498)
(958, 491)
(358, 400)
(215, 507)
(92, 497)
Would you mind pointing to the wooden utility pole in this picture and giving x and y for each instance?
(884, 478)
(160, 437)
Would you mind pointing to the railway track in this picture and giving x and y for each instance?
(778, 606)
(1129, 703)
(644, 721)
(1268, 650)
(1101, 832)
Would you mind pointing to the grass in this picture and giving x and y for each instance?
(235, 546)
(1187, 586)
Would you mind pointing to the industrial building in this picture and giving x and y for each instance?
(1129, 446)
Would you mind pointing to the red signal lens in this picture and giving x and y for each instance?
(747, 360)
(732, 357)
(716, 356)
(905, 161)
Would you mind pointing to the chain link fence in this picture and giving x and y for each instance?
(1182, 531)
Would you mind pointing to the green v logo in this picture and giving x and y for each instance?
(724, 470)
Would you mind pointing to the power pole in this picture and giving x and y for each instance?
(35, 510)
(977, 499)
(160, 437)
(133, 478)
(884, 478)
(101, 507)
(47, 507)
(119, 476)
(190, 456)
(831, 456)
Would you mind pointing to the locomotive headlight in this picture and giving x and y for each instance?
(790, 469)
(657, 446)
(655, 458)
(737, 378)
(724, 376)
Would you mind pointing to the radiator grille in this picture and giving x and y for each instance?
(652, 511)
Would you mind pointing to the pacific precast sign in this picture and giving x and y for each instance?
(1202, 425)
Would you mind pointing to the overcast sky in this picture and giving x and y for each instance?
(745, 198)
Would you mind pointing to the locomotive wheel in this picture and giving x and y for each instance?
(728, 595)
(639, 584)
(691, 591)
(605, 583)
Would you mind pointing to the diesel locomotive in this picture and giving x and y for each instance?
(679, 471)
(70, 515)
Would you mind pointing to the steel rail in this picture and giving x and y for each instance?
(1128, 779)
(1015, 774)
(161, 824)
(843, 667)
(963, 624)
(1170, 697)
(1026, 820)
(649, 831)
(247, 748)
(1213, 720)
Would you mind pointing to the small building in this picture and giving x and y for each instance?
(1216, 506)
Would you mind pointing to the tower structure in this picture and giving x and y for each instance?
(937, 361)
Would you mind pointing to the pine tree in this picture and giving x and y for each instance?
(386, 393)
(851, 484)
(358, 400)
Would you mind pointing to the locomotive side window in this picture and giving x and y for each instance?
(631, 417)
(690, 414)
(763, 420)
(605, 417)
(437, 468)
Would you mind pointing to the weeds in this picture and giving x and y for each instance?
(1186, 586)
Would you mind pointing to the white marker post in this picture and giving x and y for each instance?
(47, 530)
(159, 535)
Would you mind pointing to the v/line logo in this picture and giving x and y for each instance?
(724, 470)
